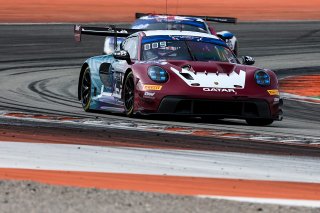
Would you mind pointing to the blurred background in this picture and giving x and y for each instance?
(123, 10)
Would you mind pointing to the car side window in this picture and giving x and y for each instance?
(131, 45)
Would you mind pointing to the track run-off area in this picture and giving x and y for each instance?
(45, 136)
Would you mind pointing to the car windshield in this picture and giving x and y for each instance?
(186, 50)
(193, 26)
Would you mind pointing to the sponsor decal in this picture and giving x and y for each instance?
(273, 92)
(152, 87)
(141, 26)
(218, 90)
(183, 37)
(120, 53)
(149, 95)
(276, 100)
(161, 62)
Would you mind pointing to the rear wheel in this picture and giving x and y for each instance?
(86, 90)
(259, 122)
(129, 94)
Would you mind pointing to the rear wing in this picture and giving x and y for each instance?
(102, 31)
(230, 20)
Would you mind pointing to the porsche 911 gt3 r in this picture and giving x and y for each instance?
(178, 73)
(177, 22)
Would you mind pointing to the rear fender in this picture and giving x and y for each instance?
(94, 65)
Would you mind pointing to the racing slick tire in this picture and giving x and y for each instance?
(128, 94)
(85, 90)
(259, 122)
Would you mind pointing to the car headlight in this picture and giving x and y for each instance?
(262, 78)
(158, 74)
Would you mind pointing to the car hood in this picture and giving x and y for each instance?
(209, 67)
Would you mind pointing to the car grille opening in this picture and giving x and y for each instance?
(231, 108)
(214, 107)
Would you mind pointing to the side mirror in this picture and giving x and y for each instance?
(122, 55)
(225, 35)
(248, 60)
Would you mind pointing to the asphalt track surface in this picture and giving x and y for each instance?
(39, 69)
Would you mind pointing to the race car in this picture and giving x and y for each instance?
(176, 73)
(146, 21)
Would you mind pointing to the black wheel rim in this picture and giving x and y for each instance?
(129, 94)
(85, 89)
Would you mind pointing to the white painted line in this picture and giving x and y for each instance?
(159, 162)
(286, 202)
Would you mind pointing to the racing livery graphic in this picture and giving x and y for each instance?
(176, 73)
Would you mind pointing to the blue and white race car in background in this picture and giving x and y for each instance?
(177, 22)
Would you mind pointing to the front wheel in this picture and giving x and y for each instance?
(86, 90)
(129, 94)
(259, 122)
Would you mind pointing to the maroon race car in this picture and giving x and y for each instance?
(179, 73)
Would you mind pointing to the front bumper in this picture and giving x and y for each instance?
(249, 108)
